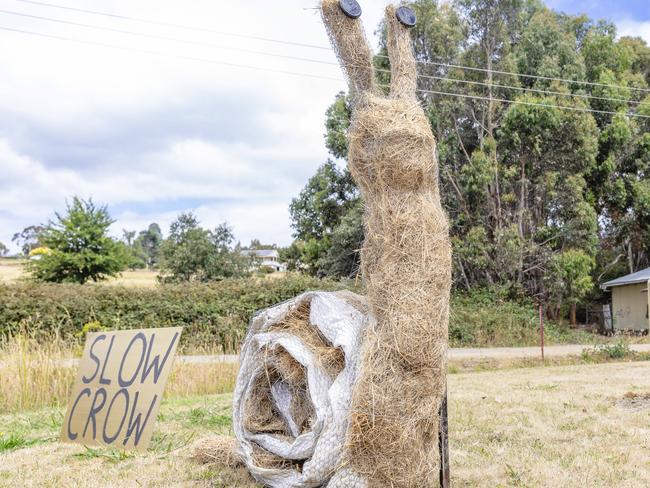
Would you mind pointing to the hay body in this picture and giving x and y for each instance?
(291, 406)
(352, 50)
(220, 450)
(406, 264)
(381, 429)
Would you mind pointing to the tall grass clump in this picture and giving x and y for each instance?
(619, 349)
(188, 380)
(34, 374)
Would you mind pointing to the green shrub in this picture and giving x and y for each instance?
(615, 350)
(214, 315)
(484, 318)
(266, 270)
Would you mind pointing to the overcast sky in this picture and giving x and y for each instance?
(151, 133)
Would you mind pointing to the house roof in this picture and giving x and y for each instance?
(639, 277)
(261, 253)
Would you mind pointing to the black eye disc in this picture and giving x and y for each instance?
(406, 16)
(351, 8)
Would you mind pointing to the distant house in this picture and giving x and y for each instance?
(265, 258)
(630, 301)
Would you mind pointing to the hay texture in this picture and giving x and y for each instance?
(220, 450)
(333, 391)
(392, 440)
(291, 405)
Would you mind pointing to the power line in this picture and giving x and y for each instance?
(313, 46)
(165, 38)
(171, 24)
(158, 53)
(308, 75)
(537, 104)
(525, 89)
(297, 58)
(522, 75)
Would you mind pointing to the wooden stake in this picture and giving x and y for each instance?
(443, 444)
(541, 330)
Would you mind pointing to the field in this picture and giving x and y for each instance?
(568, 422)
(11, 270)
(569, 426)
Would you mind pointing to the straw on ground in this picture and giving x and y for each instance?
(569, 426)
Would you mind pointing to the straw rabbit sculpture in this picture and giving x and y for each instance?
(392, 438)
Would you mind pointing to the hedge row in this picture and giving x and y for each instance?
(215, 316)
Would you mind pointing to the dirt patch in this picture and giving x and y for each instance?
(634, 401)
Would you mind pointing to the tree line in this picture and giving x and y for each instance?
(75, 247)
(546, 197)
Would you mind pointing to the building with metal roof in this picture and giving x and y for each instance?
(630, 301)
(639, 277)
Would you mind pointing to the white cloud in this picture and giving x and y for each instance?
(141, 131)
(254, 199)
(634, 28)
(250, 220)
(28, 187)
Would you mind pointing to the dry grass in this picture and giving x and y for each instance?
(34, 375)
(39, 460)
(559, 426)
(12, 270)
(138, 278)
(201, 379)
(473, 365)
(565, 426)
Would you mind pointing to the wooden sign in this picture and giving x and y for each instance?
(119, 387)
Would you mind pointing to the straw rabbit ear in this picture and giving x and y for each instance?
(400, 51)
(351, 46)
